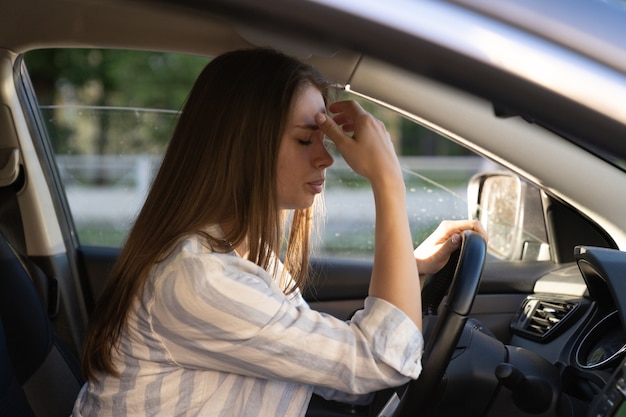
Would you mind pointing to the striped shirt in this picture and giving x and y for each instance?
(214, 335)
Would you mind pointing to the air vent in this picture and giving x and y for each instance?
(543, 318)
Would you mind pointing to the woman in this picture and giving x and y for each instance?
(199, 317)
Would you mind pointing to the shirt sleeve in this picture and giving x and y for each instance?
(220, 312)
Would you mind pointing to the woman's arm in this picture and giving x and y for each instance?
(221, 313)
(370, 153)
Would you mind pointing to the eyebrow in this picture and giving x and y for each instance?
(308, 126)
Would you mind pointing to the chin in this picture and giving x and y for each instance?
(298, 205)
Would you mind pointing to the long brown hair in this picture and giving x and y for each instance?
(219, 166)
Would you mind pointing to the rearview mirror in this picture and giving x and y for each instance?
(511, 212)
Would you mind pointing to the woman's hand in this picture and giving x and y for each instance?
(369, 151)
(432, 254)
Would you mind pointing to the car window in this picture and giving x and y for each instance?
(109, 115)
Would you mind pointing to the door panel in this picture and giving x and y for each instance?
(96, 263)
(339, 286)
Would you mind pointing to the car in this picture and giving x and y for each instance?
(511, 113)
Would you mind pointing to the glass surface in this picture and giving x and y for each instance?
(109, 116)
(502, 194)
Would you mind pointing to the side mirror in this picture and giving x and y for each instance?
(511, 212)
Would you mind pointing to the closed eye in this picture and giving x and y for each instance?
(311, 130)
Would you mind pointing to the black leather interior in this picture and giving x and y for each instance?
(38, 374)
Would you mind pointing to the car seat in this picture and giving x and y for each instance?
(39, 376)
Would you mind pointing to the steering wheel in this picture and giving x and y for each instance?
(461, 279)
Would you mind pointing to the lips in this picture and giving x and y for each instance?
(316, 186)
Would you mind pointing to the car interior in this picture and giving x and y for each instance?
(541, 331)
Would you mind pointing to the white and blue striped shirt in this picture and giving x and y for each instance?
(214, 335)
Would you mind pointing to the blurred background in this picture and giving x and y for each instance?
(109, 128)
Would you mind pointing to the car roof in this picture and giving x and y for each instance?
(590, 27)
(430, 37)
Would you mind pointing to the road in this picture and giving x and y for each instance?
(349, 211)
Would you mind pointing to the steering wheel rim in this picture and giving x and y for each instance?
(420, 393)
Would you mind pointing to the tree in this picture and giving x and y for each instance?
(109, 79)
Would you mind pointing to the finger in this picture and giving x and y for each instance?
(472, 225)
(454, 241)
(347, 128)
(330, 128)
(449, 227)
(478, 227)
(345, 121)
(449, 246)
(343, 118)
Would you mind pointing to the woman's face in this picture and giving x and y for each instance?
(302, 156)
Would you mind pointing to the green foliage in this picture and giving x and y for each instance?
(153, 80)
(101, 234)
(114, 77)
(71, 83)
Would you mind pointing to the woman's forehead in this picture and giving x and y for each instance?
(306, 104)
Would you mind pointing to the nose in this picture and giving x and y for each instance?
(321, 157)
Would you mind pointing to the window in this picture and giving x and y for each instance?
(109, 116)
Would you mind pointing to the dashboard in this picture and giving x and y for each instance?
(566, 356)
(604, 345)
(576, 321)
(611, 401)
